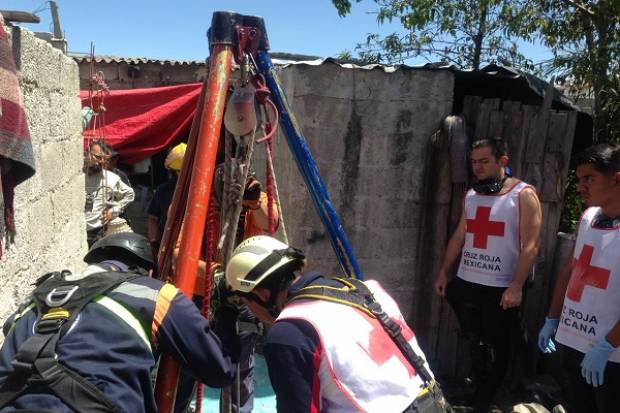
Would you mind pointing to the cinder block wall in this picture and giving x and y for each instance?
(146, 72)
(369, 132)
(49, 206)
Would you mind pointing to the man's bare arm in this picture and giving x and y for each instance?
(529, 231)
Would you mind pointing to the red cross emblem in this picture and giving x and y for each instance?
(482, 227)
(381, 347)
(585, 274)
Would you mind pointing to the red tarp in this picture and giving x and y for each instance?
(142, 122)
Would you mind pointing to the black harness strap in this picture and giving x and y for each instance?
(36, 367)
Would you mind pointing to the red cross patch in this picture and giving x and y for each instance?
(482, 227)
(585, 274)
(381, 347)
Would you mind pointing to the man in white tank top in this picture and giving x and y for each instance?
(584, 313)
(496, 240)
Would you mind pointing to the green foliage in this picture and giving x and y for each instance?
(584, 36)
(343, 6)
(347, 57)
(573, 206)
(461, 32)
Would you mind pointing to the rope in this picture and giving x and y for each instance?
(97, 91)
(243, 157)
(272, 186)
(276, 194)
(269, 177)
(269, 126)
(234, 173)
(211, 237)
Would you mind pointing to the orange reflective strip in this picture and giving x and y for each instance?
(162, 304)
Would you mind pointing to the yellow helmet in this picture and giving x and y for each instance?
(174, 160)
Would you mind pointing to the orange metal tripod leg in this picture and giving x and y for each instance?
(197, 204)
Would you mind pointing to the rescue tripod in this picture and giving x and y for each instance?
(244, 39)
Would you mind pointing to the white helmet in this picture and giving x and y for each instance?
(255, 259)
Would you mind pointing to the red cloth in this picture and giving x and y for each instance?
(16, 154)
(142, 122)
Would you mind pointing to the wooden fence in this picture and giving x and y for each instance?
(540, 141)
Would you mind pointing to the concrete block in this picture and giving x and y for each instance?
(37, 107)
(49, 206)
(42, 222)
(65, 117)
(67, 200)
(44, 66)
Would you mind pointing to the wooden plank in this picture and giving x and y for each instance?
(447, 342)
(552, 188)
(537, 302)
(496, 124)
(520, 146)
(471, 105)
(557, 132)
(549, 94)
(513, 131)
(482, 119)
(567, 147)
(19, 16)
(557, 155)
(459, 146)
(532, 174)
(536, 294)
(511, 106)
(537, 137)
(456, 205)
(511, 125)
(432, 237)
(563, 154)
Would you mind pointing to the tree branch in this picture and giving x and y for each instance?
(581, 7)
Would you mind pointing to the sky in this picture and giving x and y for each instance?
(176, 29)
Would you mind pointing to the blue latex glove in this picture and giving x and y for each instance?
(545, 343)
(594, 362)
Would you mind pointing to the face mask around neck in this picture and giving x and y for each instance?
(489, 186)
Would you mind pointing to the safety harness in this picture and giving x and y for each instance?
(355, 293)
(36, 368)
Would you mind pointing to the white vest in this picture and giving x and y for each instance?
(492, 239)
(592, 300)
(361, 369)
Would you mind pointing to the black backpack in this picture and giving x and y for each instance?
(36, 368)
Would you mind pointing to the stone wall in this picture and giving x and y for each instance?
(369, 132)
(49, 206)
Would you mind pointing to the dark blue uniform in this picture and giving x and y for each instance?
(110, 354)
(292, 351)
(161, 202)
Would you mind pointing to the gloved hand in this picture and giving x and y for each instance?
(594, 362)
(249, 193)
(252, 189)
(545, 342)
(222, 295)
